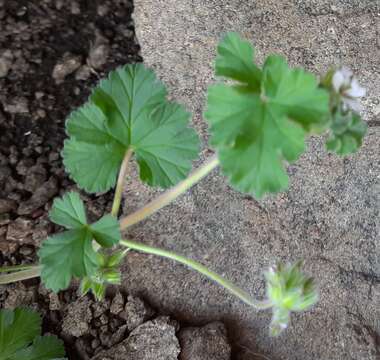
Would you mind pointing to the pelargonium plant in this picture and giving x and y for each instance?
(259, 121)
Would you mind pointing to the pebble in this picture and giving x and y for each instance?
(39, 95)
(41, 113)
(35, 178)
(75, 8)
(7, 205)
(5, 63)
(102, 10)
(98, 54)
(24, 165)
(135, 312)
(40, 197)
(117, 305)
(83, 73)
(95, 343)
(77, 318)
(20, 230)
(26, 250)
(54, 302)
(100, 307)
(53, 156)
(207, 342)
(18, 105)
(66, 66)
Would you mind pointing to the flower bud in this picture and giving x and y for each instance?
(288, 289)
(115, 259)
(344, 88)
(112, 276)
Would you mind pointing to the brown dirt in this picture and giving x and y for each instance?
(39, 41)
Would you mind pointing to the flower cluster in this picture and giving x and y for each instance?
(347, 86)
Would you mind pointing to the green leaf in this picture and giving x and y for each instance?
(70, 253)
(43, 348)
(65, 255)
(106, 231)
(255, 133)
(164, 146)
(18, 328)
(93, 167)
(129, 110)
(235, 61)
(68, 211)
(347, 133)
(125, 97)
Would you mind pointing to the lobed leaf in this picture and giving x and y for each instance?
(65, 255)
(129, 110)
(68, 211)
(18, 328)
(43, 348)
(106, 231)
(70, 253)
(256, 132)
(235, 61)
(164, 146)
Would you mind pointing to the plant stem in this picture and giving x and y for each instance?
(235, 290)
(168, 196)
(35, 271)
(15, 268)
(120, 183)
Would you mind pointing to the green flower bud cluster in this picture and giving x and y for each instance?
(347, 129)
(107, 273)
(288, 289)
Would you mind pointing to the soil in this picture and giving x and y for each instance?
(51, 54)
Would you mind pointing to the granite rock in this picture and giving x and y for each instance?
(328, 217)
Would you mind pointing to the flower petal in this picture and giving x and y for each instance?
(338, 80)
(355, 91)
(353, 104)
(347, 74)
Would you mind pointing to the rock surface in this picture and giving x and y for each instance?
(153, 340)
(329, 216)
(136, 312)
(207, 342)
(77, 319)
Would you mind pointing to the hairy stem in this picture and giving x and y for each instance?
(35, 271)
(168, 196)
(120, 183)
(15, 268)
(235, 290)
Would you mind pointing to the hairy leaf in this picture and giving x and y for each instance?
(43, 348)
(70, 253)
(164, 146)
(106, 231)
(68, 211)
(255, 132)
(235, 61)
(18, 328)
(129, 110)
(65, 255)
(347, 133)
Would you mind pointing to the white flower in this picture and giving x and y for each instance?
(348, 87)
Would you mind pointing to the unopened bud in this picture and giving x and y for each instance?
(289, 289)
